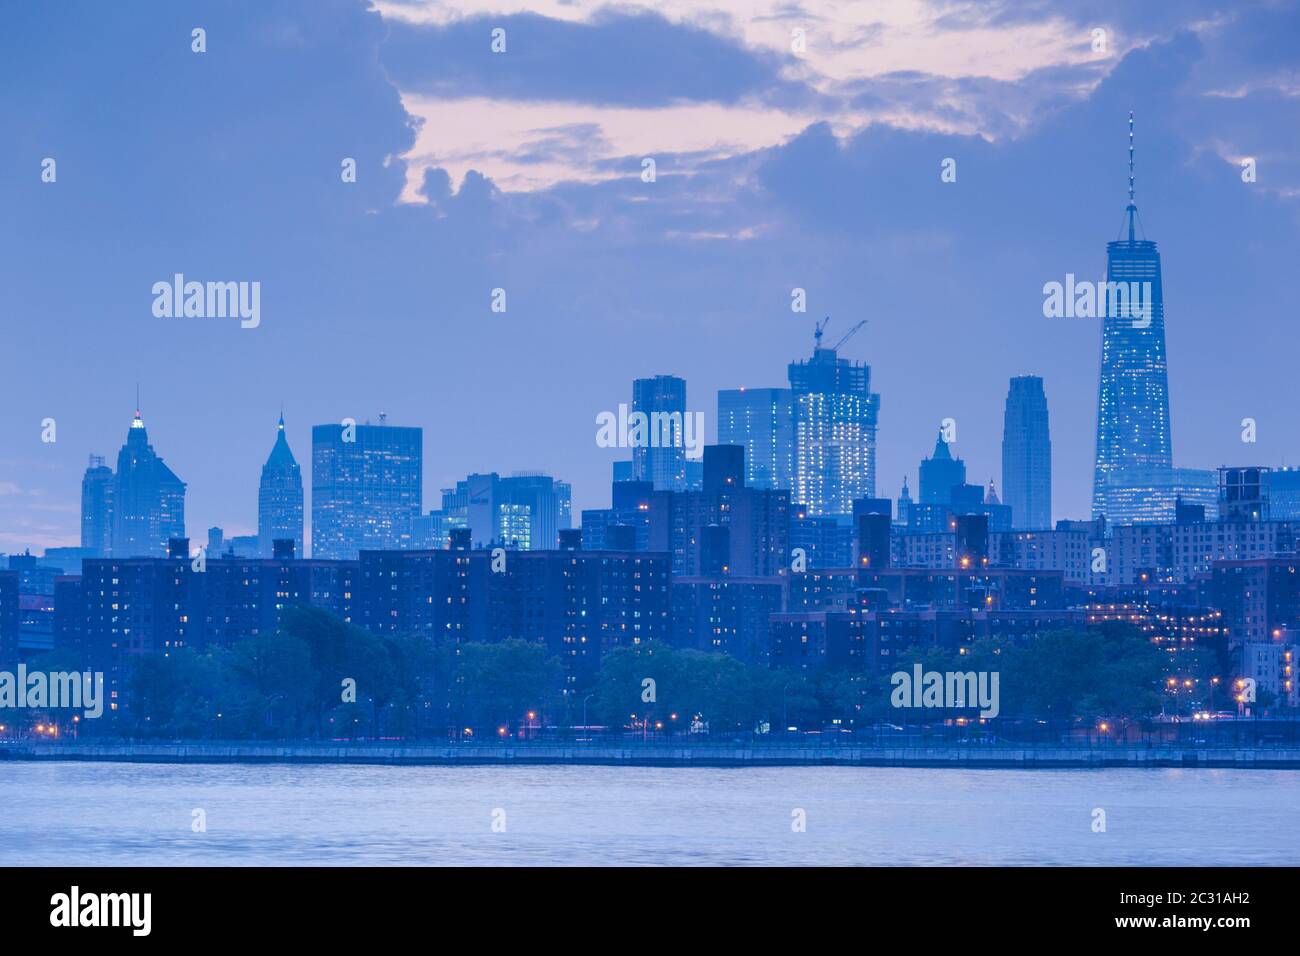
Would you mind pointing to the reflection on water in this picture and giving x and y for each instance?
(115, 814)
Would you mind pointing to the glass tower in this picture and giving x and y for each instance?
(662, 459)
(760, 420)
(97, 509)
(1027, 455)
(366, 487)
(1133, 437)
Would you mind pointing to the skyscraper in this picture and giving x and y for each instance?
(526, 510)
(366, 486)
(1133, 436)
(662, 458)
(148, 503)
(1027, 455)
(279, 497)
(835, 414)
(940, 474)
(760, 420)
(97, 509)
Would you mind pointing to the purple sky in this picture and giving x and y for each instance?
(522, 170)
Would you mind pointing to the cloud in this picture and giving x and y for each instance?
(713, 80)
(821, 173)
(526, 146)
(846, 39)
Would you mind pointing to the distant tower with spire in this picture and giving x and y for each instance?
(904, 517)
(1134, 454)
(279, 497)
(999, 515)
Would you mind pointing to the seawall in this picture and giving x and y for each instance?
(656, 755)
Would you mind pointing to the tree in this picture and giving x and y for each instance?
(496, 685)
(722, 692)
(278, 683)
(342, 652)
(182, 694)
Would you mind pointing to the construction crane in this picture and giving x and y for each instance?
(821, 330)
(848, 335)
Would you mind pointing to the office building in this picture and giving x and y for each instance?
(366, 487)
(97, 508)
(279, 497)
(148, 500)
(661, 458)
(761, 420)
(1027, 455)
(1134, 446)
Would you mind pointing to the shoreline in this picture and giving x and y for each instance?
(660, 755)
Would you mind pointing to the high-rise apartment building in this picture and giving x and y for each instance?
(835, 415)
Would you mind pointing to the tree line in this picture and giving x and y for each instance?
(319, 677)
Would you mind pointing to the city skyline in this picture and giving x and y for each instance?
(697, 433)
(945, 331)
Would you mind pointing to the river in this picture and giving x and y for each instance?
(267, 815)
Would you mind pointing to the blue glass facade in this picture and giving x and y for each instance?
(762, 421)
(1133, 434)
(1027, 455)
(365, 493)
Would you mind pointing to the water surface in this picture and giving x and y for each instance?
(124, 814)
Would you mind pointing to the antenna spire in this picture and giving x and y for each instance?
(137, 422)
(1132, 189)
(1132, 182)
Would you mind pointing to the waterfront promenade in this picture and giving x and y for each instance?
(660, 754)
